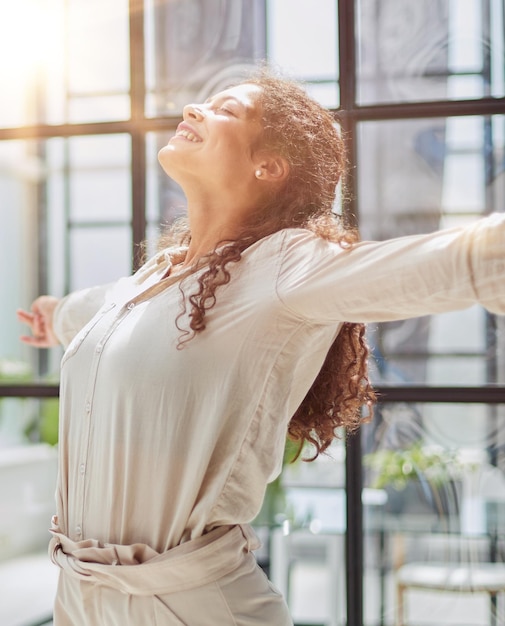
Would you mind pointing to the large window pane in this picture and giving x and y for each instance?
(50, 191)
(165, 200)
(194, 49)
(429, 50)
(88, 186)
(98, 60)
(98, 209)
(22, 196)
(31, 262)
(99, 178)
(417, 176)
(308, 517)
(99, 255)
(67, 61)
(308, 52)
(441, 469)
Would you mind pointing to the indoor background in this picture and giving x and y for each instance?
(89, 93)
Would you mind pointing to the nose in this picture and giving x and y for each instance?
(192, 111)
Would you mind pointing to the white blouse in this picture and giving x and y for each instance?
(159, 445)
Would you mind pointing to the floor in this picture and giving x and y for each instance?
(28, 585)
(311, 598)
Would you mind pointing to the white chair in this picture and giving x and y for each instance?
(322, 542)
(466, 564)
(449, 577)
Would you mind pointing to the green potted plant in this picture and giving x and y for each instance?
(420, 474)
(42, 427)
(11, 411)
(274, 509)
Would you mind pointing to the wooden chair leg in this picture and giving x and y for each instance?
(493, 605)
(400, 606)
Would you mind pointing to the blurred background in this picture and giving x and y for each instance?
(403, 523)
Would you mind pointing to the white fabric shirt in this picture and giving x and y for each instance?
(159, 445)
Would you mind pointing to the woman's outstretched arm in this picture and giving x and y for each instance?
(53, 321)
(395, 279)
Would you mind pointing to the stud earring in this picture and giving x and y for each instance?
(258, 173)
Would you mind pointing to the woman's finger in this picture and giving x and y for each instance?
(37, 325)
(24, 316)
(38, 342)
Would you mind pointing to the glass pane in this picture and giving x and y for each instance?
(99, 178)
(44, 186)
(417, 176)
(307, 51)
(305, 512)
(99, 255)
(440, 468)
(23, 197)
(165, 199)
(194, 49)
(31, 263)
(429, 50)
(68, 61)
(16, 415)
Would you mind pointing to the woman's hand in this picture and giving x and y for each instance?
(40, 321)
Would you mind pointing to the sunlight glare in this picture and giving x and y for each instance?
(31, 40)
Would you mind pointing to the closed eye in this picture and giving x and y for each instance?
(226, 105)
(226, 110)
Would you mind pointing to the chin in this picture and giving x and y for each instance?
(164, 158)
(163, 152)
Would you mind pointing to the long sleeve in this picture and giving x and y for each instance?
(395, 279)
(74, 311)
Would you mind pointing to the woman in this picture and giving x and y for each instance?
(179, 383)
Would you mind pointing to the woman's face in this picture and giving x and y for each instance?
(216, 140)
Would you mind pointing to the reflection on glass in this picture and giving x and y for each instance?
(308, 52)
(99, 178)
(429, 50)
(50, 190)
(195, 49)
(99, 255)
(16, 417)
(23, 201)
(67, 61)
(417, 176)
(442, 469)
(165, 200)
(304, 513)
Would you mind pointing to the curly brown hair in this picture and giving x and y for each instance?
(305, 134)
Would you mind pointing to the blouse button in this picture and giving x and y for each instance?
(131, 305)
(78, 531)
(82, 468)
(88, 407)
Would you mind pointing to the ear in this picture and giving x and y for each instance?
(272, 167)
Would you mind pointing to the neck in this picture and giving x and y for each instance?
(211, 224)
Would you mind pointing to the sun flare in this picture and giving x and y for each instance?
(31, 42)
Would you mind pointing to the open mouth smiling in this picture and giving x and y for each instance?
(188, 133)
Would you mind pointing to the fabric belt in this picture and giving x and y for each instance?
(139, 570)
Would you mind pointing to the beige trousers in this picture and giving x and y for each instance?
(211, 581)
